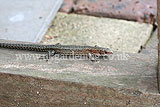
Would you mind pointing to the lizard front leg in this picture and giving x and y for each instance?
(93, 57)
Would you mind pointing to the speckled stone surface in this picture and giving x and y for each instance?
(118, 35)
(127, 80)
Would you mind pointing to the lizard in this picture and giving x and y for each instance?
(59, 49)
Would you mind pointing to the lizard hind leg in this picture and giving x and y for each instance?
(48, 55)
(51, 54)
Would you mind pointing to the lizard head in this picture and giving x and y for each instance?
(101, 51)
(105, 51)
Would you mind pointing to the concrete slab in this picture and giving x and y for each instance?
(26, 20)
(118, 35)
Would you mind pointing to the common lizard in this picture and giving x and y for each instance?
(59, 49)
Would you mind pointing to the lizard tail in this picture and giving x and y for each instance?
(30, 47)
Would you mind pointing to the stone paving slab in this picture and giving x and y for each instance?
(118, 35)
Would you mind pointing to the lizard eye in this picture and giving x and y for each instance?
(107, 51)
